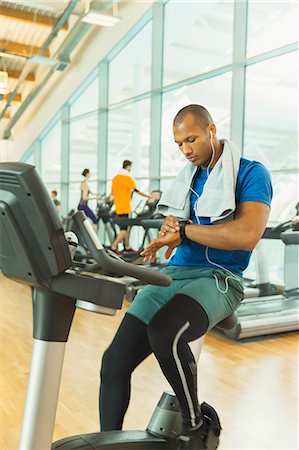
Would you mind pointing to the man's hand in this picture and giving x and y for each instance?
(172, 240)
(170, 225)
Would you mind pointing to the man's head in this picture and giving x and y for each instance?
(54, 194)
(193, 129)
(127, 165)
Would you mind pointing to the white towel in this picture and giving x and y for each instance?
(218, 197)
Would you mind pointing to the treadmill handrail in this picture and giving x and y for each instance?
(111, 264)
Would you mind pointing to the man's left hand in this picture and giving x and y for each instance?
(172, 240)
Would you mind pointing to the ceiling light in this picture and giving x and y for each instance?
(96, 18)
(4, 89)
(37, 59)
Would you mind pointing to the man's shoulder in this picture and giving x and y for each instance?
(247, 165)
(254, 182)
(122, 179)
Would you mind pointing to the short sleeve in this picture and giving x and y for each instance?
(255, 185)
(132, 184)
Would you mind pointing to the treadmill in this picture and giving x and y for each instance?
(271, 314)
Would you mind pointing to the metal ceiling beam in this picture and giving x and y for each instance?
(27, 68)
(15, 74)
(33, 18)
(75, 35)
(18, 98)
(19, 49)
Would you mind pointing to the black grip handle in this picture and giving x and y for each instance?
(111, 264)
(120, 267)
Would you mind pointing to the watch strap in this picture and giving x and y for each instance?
(182, 225)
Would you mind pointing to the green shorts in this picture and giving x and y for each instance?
(198, 283)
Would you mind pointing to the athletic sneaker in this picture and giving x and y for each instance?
(130, 250)
(205, 435)
(193, 438)
(115, 251)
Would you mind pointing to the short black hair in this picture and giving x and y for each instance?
(200, 114)
(126, 163)
(85, 172)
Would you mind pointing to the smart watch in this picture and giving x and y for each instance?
(182, 224)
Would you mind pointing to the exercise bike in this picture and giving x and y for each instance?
(34, 251)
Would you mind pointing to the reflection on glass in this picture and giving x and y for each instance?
(271, 25)
(198, 38)
(83, 147)
(130, 70)
(128, 138)
(271, 127)
(215, 95)
(51, 155)
(87, 101)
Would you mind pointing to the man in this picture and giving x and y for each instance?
(123, 185)
(54, 196)
(225, 203)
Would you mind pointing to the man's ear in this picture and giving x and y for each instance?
(211, 130)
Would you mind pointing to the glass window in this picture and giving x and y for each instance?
(130, 70)
(87, 100)
(83, 147)
(271, 127)
(285, 196)
(271, 25)
(83, 155)
(198, 38)
(129, 138)
(215, 95)
(29, 159)
(51, 155)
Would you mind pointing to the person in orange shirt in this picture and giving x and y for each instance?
(123, 186)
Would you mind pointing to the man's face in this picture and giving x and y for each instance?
(193, 141)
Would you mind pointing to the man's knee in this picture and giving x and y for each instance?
(112, 364)
(160, 338)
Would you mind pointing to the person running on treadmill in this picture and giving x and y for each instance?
(206, 270)
(85, 196)
(123, 186)
(54, 196)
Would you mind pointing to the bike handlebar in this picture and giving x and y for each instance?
(112, 264)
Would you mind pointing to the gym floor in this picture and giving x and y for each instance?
(253, 385)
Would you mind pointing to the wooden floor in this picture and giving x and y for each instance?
(253, 385)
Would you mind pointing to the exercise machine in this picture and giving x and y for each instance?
(271, 314)
(262, 286)
(34, 251)
(111, 221)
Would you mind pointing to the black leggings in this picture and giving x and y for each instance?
(180, 321)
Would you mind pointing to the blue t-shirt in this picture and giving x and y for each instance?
(253, 185)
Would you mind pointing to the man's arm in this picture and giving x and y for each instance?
(143, 194)
(242, 233)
